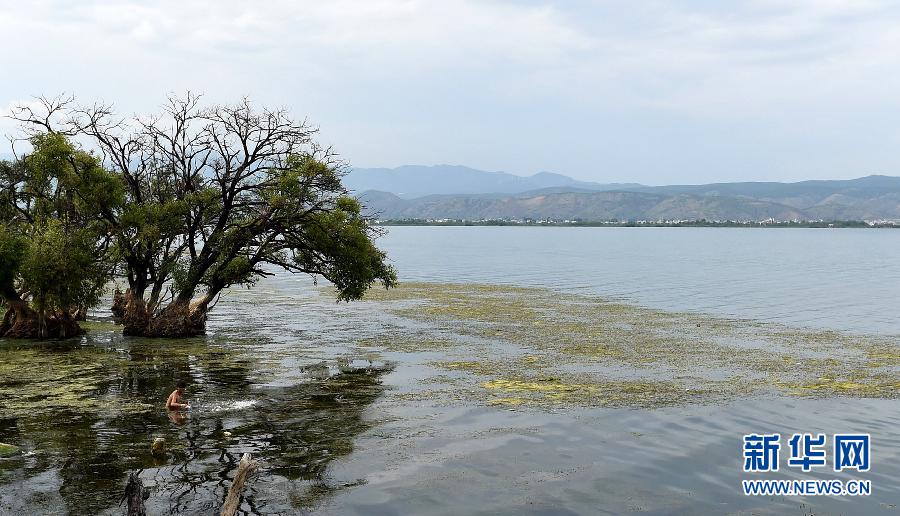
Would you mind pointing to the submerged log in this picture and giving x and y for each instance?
(232, 501)
(135, 494)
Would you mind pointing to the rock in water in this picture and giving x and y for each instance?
(7, 449)
(159, 446)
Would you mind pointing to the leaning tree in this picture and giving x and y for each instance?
(216, 196)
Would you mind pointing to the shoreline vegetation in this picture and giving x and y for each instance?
(823, 224)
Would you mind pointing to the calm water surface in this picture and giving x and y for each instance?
(284, 372)
(846, 279)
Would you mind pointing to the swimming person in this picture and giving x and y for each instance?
(176, 400)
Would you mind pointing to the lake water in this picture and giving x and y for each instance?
(303, 384)
(847, 279)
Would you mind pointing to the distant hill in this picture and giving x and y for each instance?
(865, 198)
(868, 198)
(457, 192)
(589, 206)
(416, 181)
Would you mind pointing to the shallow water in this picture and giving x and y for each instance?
(684, 460)
(348, 412)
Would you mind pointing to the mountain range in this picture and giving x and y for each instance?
(457, 192)
(449, 192)
(412, 181)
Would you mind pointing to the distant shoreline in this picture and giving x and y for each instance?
(639, 224)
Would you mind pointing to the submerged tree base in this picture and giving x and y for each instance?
(25, 323)
(178, 319)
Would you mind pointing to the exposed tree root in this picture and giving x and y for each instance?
(22, 322)
(178, 319)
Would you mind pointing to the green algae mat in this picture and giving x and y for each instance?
(516, 346)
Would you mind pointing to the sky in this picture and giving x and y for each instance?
(610, 91)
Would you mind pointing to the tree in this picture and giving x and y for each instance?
(54, 255)
(216, 196)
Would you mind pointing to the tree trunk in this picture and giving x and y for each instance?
(180, 318)
(81, 313)
(22, 322)
(130, 311)
(7, 321)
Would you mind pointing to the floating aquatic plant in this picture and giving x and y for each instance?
(625, 354)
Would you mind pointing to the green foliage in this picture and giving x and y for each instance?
(298, 217)
(58, 268)
(151, 221)
(235, 271)
(11, 175)
(13, 247)
(96, 188)
(52, 250)
(338, 244)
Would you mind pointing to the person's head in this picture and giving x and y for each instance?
(181, 385)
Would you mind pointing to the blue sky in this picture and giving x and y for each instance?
(652, 92)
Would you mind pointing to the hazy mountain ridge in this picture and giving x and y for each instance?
(867, 198)
(456, 192)
(411, 181)
(594, 206)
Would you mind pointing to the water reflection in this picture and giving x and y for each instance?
(86, 412)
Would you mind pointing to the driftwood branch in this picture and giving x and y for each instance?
(246, 466)
(135, 494)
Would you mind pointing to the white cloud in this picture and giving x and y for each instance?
(468, 80)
